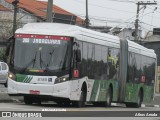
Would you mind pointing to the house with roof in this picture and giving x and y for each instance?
(31, 11)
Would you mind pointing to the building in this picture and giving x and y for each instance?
(31, 11)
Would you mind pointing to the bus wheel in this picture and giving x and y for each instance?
(109, 98)
(28, 100)
(66, 103)
(130, 105)
(38, 101)
(139, 100)
(81, 102)
(138, 103)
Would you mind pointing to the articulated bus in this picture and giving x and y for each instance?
(73, 65)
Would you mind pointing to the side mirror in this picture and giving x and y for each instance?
(78, 55)
(9, 45)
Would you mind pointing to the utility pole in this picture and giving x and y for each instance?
(87, 19)
(14, 3)
(136, 37)
(49, 11)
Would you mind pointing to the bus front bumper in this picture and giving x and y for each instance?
(61, 90)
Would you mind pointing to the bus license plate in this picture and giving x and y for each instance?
(35, 92)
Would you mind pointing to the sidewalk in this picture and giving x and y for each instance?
(154, 103)
(156, 99)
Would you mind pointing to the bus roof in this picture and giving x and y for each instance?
(60, 29)
(81, 33)
(136, 48)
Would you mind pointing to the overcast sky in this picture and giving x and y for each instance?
(114, 12)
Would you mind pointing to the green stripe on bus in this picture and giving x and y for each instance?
(30, 78)
(100, 89)
(26, 80)
(132, 91)
(20, 78)
(94, 90)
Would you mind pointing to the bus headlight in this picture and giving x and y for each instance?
(61, 79)
(12, 76)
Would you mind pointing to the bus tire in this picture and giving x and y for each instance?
(109, 98)
(98, 104)
(139, 100)
(81, 102)
(66, 103)
(129, 105)
(28, 100)
(38, 101)
(138, 103)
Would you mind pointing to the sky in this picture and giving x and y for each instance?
(121, 13)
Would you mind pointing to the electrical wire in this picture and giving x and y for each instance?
(118, 10)
(154, 8)
(126, 1)
(148, 24)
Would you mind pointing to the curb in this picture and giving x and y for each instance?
(6, 101)
(10, 101)
(147, 105)
(143, 105)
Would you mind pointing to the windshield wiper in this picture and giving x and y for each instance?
(32, 61)
(41, 61)
(51, 54)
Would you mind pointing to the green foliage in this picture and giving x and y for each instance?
(2, 54)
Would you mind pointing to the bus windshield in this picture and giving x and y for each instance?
(32, 53)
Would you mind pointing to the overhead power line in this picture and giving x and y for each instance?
(118, 10)
(148, 24)
(126, 1)
(137, 16)
(154, 9)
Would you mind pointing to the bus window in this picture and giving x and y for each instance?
(143, 68)
(84, 59)
(138, 70)
(113, 63)
(97, 63)
(90, 62)
(104, 62)
(150, 71)
(79, 64)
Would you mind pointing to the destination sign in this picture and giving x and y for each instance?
(41, 41)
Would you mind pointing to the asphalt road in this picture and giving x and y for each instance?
(97, 112)
(52, 108)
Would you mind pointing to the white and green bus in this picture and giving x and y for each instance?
(73, 65)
